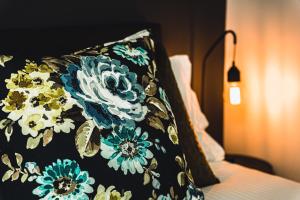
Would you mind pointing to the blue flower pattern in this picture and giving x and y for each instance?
(127, 148)
(106, 90)
(64, 180)
(136, 55)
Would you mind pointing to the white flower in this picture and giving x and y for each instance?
(111, 193)
(39, 78)
(32, 122)
(61, 124)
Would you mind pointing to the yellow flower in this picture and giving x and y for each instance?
(111, 194)
(33, 75)
(59, 99)
(19, 80)
(14, 101)
(40, 100)
(15, 104)
(33, 67)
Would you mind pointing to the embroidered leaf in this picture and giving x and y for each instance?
(8, 132)
(181, 178)
(180, 162)
(156, 183)
(147, 178)
(93, 146)
(156, 123)
(4, 59)
(7, 175)
(24, 177)
(71, 58)
(154, 195)
(153, 164)
(4, 123)
(172, 193)
(103, 50)
(32, 143)
(151, 88)
(149, 85)
(37, 170)
(32, 178)
(152, 70)
(6, 161)
(189, 175)
(15, 175)
(84, 146)
(19, 159)
(47, 136)
(55, 63)
(90, 50)
(173, 134)
(158, 108)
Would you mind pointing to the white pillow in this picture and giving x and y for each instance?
(182, 68)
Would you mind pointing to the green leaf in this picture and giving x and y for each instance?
(7, 175)
(149, 85)
(103, 50)
(172, 193)
(147, 178)
(4, 123)
(153, 164)
(15, 175)
(87, 145)
(4, 59)
(19, 159)
(47, 136)
(156, 123)
(173, 136)
(158, 108)
(24, 177)
(181, 178)
(32, 143)
(180, 162)
(8, 132)
(5, 160)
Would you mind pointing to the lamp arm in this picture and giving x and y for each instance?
(210, 50)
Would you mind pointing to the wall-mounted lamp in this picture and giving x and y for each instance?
(233, 75)
(233, 78)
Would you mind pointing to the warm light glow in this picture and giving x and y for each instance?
(265, 125)
(234, 95)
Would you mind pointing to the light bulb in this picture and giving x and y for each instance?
(234, 94)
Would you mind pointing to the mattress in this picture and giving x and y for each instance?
(241, 183)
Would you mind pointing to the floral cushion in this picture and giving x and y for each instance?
(93, 124)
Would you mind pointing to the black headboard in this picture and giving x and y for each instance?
(188, 27)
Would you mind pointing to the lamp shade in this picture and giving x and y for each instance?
(233, 74)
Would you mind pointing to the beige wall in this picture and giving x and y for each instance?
(267, 123)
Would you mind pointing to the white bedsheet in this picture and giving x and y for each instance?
(241, 183)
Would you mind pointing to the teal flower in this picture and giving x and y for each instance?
(136, 55)
(164, 197)
(193, 193)
(106, 90)
(127, 148)
(163, 96)
(63, 180)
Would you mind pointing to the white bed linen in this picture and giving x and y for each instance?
(241, 183)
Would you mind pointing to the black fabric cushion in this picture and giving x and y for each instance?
(202, 173)
(91, 124)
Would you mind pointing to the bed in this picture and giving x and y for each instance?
(241, 183)
(236, 182)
